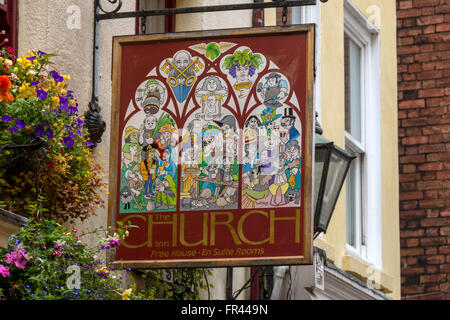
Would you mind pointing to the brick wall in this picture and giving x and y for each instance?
(424, 147)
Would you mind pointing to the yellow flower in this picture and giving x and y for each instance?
(66, 77)
(126, 294)
(55, 102)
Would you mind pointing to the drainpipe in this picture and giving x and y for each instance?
(278, 277)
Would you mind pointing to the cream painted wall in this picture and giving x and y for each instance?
(333, 124)
(43, 25)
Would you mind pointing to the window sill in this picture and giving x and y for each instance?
(364, 271)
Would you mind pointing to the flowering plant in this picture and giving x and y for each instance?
(45, 260)
(36, 105)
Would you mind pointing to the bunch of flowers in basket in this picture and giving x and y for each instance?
(38, 109)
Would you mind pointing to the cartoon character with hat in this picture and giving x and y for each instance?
(287, 122)
(154, 95)
(273, 91)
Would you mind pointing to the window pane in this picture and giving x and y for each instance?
(350, 208)
(352, 88)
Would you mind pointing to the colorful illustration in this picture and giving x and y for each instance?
(268, 138)
(273, 90)
(272, 159)
(212, 50)
(243, 67)
(210, 169)
(181, 72)
(149, 164)
(211, 93)
(151, 96)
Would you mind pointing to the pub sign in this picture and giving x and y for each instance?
(211, 147)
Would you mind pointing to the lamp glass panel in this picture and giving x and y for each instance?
(335, 177)
(320, 157)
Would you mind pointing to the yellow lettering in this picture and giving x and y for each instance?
(203, 241)
(124, 243)
(272, 225)
(150, 229)
(224, 223)
(241, 228)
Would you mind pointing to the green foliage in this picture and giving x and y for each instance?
(212, 51)
(177, 284)
(242, 58)
(48, 252)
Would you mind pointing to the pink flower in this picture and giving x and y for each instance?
(4, 271)
(18, 258)
(114, 243)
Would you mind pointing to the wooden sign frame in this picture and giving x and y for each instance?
(157, 87)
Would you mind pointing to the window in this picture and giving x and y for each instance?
(155, 24)
(362, 136)
(8, 20)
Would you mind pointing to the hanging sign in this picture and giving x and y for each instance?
(211, 147)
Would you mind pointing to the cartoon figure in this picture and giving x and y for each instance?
(273, 91)
(166, 165)
(293, 161)
(131, 149)
(287, 122)
(126, 197)
(165, 137)
(149, 168)
(147, 132)
(256, 186)
(212, 95)
(251, 142)
(279, 182)
(242, 65)
(166, 193)
(135, 185)
(182, 74)
(154, 95)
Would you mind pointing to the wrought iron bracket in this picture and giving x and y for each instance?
(96, 126)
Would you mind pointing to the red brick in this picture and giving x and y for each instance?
(425, 20)
(411, 233)
(416, 195)
(429, 148)
(435, 203)
(433, 222)
(445, 231)
(433, 278)
(413, 252)
(435, 241)
(433, 166)
(435, 260)
(412, 104)
(428, 185)
(415, 140)
(437, 92)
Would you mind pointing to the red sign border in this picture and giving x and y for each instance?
(119, 42)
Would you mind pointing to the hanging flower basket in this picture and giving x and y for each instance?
(10, 223)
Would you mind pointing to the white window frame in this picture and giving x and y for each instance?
(366, 35)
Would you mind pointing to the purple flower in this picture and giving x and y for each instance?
(20, 124)
(6, 118)
(42, 94)
(41, 52)
(56, 76)
(39, 131)
(73, 109)
(71, 134)
(79, 122)
(114, 243)
(31, 58)
(68, 141)
(13, 129)
(49, 133)
(35, 83)
(89, 144)
(57, 246)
